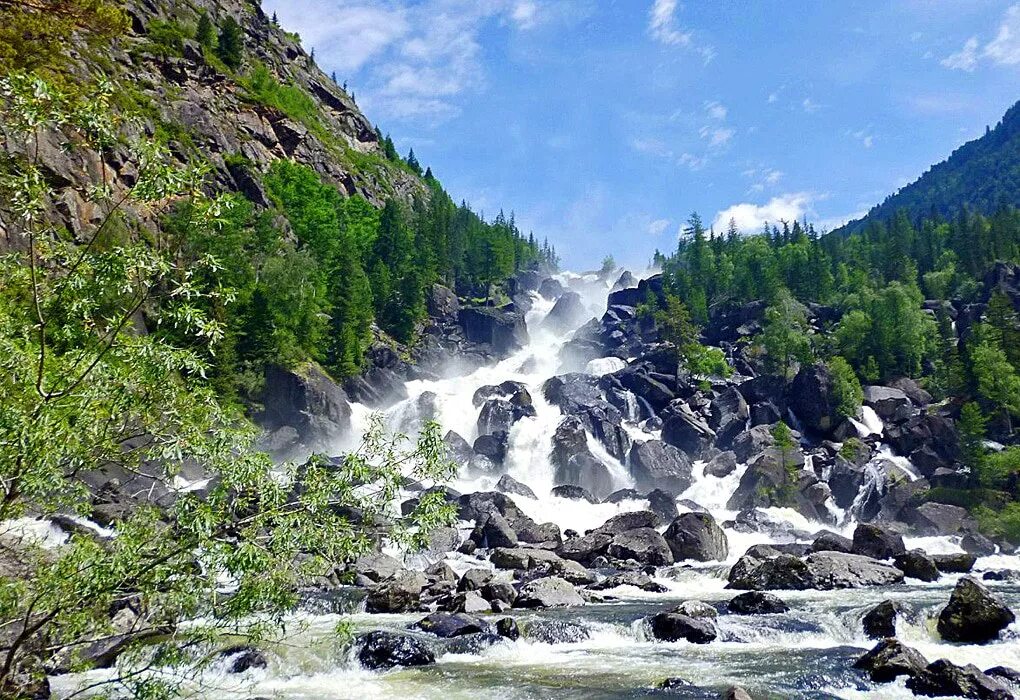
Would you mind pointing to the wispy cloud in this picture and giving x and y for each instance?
(865, 136)
(715, 110)
(750, 217)
(655, 228)
(810, 106)
(659, 149)
(664, 28)
(716, 136)
(762, 178)
(1003, 49)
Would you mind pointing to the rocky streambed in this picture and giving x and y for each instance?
(625, 533)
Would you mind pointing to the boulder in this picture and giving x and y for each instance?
(696, 536)
(556, 631)
(757, 603)
(566, 314)
(663, 504)
(510, 485)
(573, 493)
(586, 549)
(696, 608)
(310, 404)
(752, 443)
(548, 592)
(474, 579)
(636, 579)
(442, 303)
(492, 446)
(954, 563)
(672, 627)
(735, 692)
(831, 542)
(495, 416)
(643, 545)
(499, 590)
(377, 566)
(630, 520)
(507, 627)
(397, 594)
(880, 621)
(974, 615)
(936, 518)
(495, 532)
(877, 542)
(977, 544)
(656, 465)
(473, 506)
(447, 625)
(890, 659)
(550, 288)
(888, 402)
(723, 464)
(457, 448)
(686, 431)
(388, 649)
(917, 564)
(243, 658)
(812, 399)
(943, 678)
(504, 331)
(834, 570)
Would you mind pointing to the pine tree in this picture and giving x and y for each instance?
(352, 311)
(205, 33)
(389, 150)
(274, 21)
(230, 45)
(412, 162)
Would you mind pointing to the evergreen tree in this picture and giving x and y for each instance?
(997, 381)
(412, 162)
(205, 33)
(352, 311)
(230, 45)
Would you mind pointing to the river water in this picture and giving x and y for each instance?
(805, 653)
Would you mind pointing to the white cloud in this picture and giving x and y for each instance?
(525, 14)
(659, 149)
(773, 97)
(965, 59)
(715, 110)
(762, 178)
(810, 106)
(1003, 49)
(751, 217)
(663, 27)
(655, 228)
(716, 136)
(866, 138)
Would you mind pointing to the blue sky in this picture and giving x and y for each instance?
(603, 125)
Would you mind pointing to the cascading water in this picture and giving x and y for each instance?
(806, 653)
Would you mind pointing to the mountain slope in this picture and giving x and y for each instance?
(982, 175)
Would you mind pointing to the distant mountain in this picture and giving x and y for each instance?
(982, 175)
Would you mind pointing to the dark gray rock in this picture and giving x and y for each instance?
(510, 485)
(630, 520)
(877, 542)
(880, 621)
(757, 603)
(812, 399)
(672, 627)
(388, 649)
(400, 593)
(696, 536)
(943, 678)
(917, 564)
(954, 563)
(309, 403)
(643, 545)
(548, 592)
(890, 659)
(636, 579)
(504, 331)
(446, 625)
(656, 465)
(974, 614)
(573, 493)
(831, 542)
(723, 464)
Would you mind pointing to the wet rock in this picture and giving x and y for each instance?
(977, 544)
(812, 398)
(443, 539)
(654, 464)
(696, 536)
(492, 445)
(566, 313)
(752, 443)
(573, 493)
(441, 571)
(504, 331)
(585, 549)
(495, 531)
(757, 603)
(686, 431)
(936, 518)
(831, 542)
(457, 448)
(974, 615)
(880, 621)
(556, 631)
(473, 644)
(636, 579)
(243, 658)
(548, 592)
(381, 649)
(954, 563)
(310, 403)
(510, 485)
(398, 594)
(546, 535)
(890, 659)
(834, 570)
(499, 590)
(623, 495)
(644, 545)
(574, 463)
(672, 627)
(1005, 673)
(723, 464)
(781, 572)
(631, 520)
(696, 608)
(943, 678)
(377, 566)
(934, 435)
(474, 579)
(507, 627)
(496, 416)
(446, 625)
(765, 413)
(877, 542)
(474, 506)
(917, 564)
(771, 480)
(1001, 575)
(551, 288)
(888, 402)
(522, 558)
(675, 683)
(663, 504)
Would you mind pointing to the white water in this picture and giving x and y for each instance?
(803, 654)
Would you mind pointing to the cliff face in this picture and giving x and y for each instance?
(276, 104)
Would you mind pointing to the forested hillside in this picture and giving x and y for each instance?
(981, 176)
(327, 238)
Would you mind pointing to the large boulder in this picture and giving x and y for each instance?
(643, 545)
(877, 542)
(974, 615)
(574, 463)
(917, 564)
(630, 520)
(400, 593)
(548, 592)
(585, 549)
(447, 625)
(880, 621)
(890, 659)
(307, 406)
(388, 649)
(812, 399)
(672, 627)
(504, 331)
(686, 431)
(495, 416)
(656, 465)
(508, 484)
(888, 402)
(696, 536)
(820, 571)
(960, 563)
(943, 678)
(757, 603)
(936, 518)
(566, 314)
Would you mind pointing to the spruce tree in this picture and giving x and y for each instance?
(205, 33)
(230, 46)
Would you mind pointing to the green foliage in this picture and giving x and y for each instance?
(230, 43)
(785, 337)
(1004, 522)
(971, 427)
(82, 388)
(166, 38)
(33, 33)
(999, 470)
(852, 448)
(997, 382)
(846, 388)
(608, 265)
(205, 32)
(262, 86)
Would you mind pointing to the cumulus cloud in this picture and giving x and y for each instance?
(751, 217)
(1003, 49)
